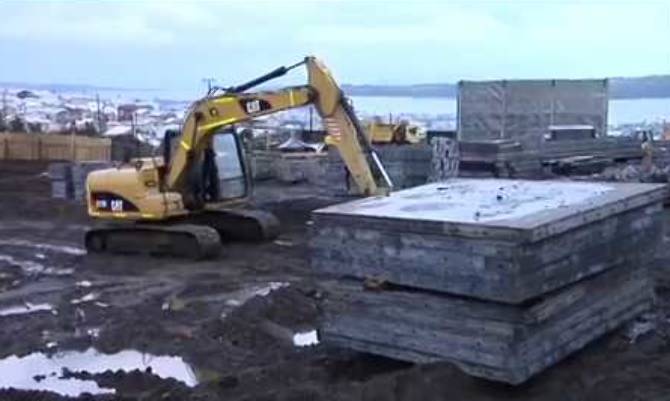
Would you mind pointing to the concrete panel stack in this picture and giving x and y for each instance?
(620, 149)
(502, 158)
(407, 165)
(501, 277)
(297, 167)
(262, 165)
(68, 180)
(80, 171)
(61, 180)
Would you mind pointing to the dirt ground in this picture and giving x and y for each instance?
(240, 345)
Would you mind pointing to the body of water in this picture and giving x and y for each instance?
(621, 111)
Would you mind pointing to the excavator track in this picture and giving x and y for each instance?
(196, 236)
(237, 224)
(180, 240)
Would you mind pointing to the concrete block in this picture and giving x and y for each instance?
(496, 341)
(80, 171)
(502, 240)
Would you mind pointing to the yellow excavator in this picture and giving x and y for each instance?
(197, 194)
(399, 133)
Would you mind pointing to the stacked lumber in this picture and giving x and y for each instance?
(501, 277)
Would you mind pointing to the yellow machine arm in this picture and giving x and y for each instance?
(345, 133)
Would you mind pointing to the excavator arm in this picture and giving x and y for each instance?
(345, 133)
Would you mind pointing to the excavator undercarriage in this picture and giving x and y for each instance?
(194, 236)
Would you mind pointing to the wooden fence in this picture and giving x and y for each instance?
(53, 147)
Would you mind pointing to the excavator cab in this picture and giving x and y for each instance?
(219, 175)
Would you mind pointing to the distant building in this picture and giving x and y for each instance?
(125, 112)
(26, 94)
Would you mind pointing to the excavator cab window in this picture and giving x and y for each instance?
(170, 142)
(230, 170)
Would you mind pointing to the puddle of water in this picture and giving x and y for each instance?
(26, 308)
(305, 339)
(20, 373)
(70, 250)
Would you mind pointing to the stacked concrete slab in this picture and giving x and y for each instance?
(80, 171)
(288, 167)
(611, 148)
(501, 277)
(502, 158)
(68, 179)
(61, 180)
(407, 165)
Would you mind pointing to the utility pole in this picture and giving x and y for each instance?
(311, 120)
(3, 114)
(97, 117)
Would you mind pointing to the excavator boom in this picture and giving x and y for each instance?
(345, 133)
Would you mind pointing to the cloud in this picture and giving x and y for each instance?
(436, 25)
(77, 23)
(362, 41)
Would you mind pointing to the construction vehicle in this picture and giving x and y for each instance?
(399, 133)
(197, 194)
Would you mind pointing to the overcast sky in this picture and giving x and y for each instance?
(175, 44)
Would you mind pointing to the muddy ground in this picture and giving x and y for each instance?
(240, 345)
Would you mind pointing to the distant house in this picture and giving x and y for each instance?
(26, 94)
(126, 112)
(126, 144)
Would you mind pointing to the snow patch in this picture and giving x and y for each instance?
(25, 308)
(306, 339)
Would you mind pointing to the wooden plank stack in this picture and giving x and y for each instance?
(502, 278)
